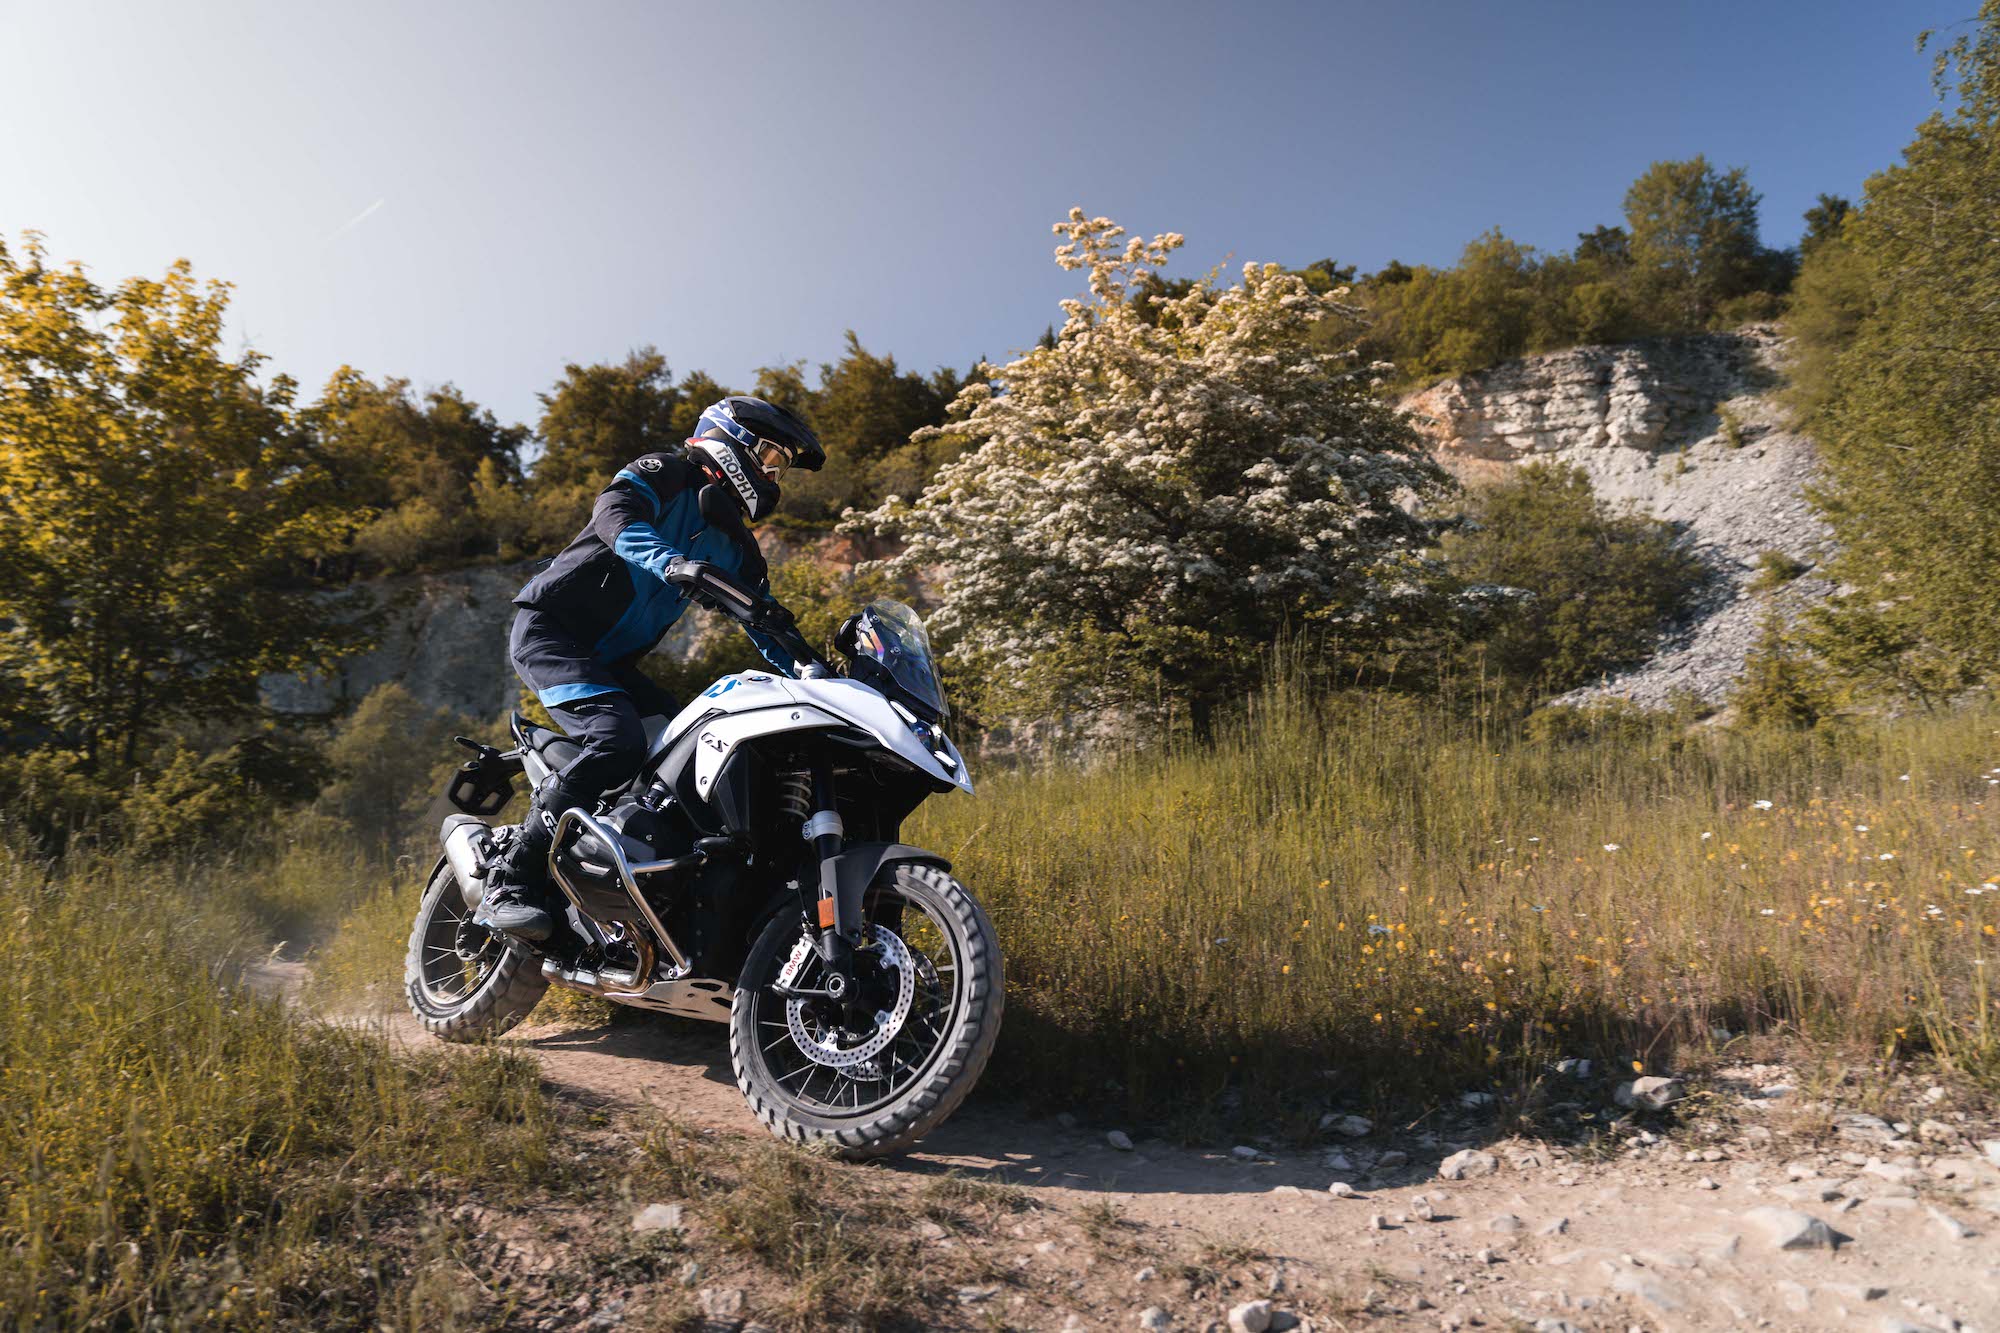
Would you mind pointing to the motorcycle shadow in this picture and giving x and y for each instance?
(678, 1066)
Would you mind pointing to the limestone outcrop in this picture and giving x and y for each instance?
(1684, 429)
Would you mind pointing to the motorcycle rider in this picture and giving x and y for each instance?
(669, 527)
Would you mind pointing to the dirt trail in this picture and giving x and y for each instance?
(1660, 1236)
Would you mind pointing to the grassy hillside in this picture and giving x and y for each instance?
(178, 1150)
(1358, 899)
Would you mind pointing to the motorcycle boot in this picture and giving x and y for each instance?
(519, 899)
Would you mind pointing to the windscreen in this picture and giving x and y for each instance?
(890, 633)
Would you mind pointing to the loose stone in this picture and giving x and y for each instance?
(1789, 1229)
(1467, 1164)
(1250, 1317)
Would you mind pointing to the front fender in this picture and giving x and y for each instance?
(856, 868)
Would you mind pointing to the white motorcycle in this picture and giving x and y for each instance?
(751, 874)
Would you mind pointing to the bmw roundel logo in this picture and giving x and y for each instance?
(651, 464)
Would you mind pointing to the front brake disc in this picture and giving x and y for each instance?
(826, 1050)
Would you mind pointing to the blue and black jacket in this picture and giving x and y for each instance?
(608, 591)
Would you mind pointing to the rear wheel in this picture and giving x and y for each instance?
(929, 971)
(463, 982)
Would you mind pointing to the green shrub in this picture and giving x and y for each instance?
(1781, 688)
(1603, 583)
(1775, 569)
(391, 754)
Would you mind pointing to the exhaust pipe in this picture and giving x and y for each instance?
(468, 845)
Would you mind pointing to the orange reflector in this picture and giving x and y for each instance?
(826, 914)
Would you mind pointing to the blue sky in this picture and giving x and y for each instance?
(482, 192)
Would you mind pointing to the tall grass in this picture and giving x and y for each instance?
(1365, 897)
(177, 1149)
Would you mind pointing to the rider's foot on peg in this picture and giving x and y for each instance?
(515, 911)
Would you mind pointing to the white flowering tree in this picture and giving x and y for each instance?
(1145, 506)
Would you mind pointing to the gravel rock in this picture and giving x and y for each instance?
(1486, 1257)
(1120, 1140)
(1555, 1226)
(1338, 1161)
(1809, 1191)
(1705, 1183)
(1649, 1289)
(1392, 1159)
(1506, 1224)
(1340, 1189)
(1145, 1275)
(1153, 1317)
(1790, 1229)
(1243, 1152)
(1951, 1226)
(659, 1217)
(1991, 1147)
(1472, 1101)
(1250, 1317)
(1348, 1126)
(721, 1302)
(1649, 1094)
(1467, 1164)
(1936, 1131)
(976, 1295)
(1860, 1125)
(1893, 1172)
(1377, 1222)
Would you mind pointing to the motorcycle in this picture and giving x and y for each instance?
(751, 874)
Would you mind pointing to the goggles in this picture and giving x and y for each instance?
(773, 459)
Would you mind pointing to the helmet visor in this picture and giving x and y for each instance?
(773, 459)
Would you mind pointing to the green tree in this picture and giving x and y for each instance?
(1823, 221)
(158, 505)
(1609, 247)
(695, 394)
(415, 462)
(1900, 329)
(600, 417)
(1143, 507)
(864, 409)
(1693, 239)
(1447, 321)
(1602, 583)
(387, 754)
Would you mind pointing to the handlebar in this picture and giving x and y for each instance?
(723, 592)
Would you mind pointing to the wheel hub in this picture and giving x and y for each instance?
(822, 1042)
(473, 943)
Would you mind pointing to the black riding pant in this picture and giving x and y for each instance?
(598, 706)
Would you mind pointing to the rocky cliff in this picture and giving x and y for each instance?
(1685, 429)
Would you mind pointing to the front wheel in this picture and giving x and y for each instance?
(929, 972)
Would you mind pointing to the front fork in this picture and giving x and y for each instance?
(838, 936)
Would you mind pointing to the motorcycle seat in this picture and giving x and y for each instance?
(557, 750)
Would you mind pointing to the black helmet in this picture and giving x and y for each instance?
(751, 444)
